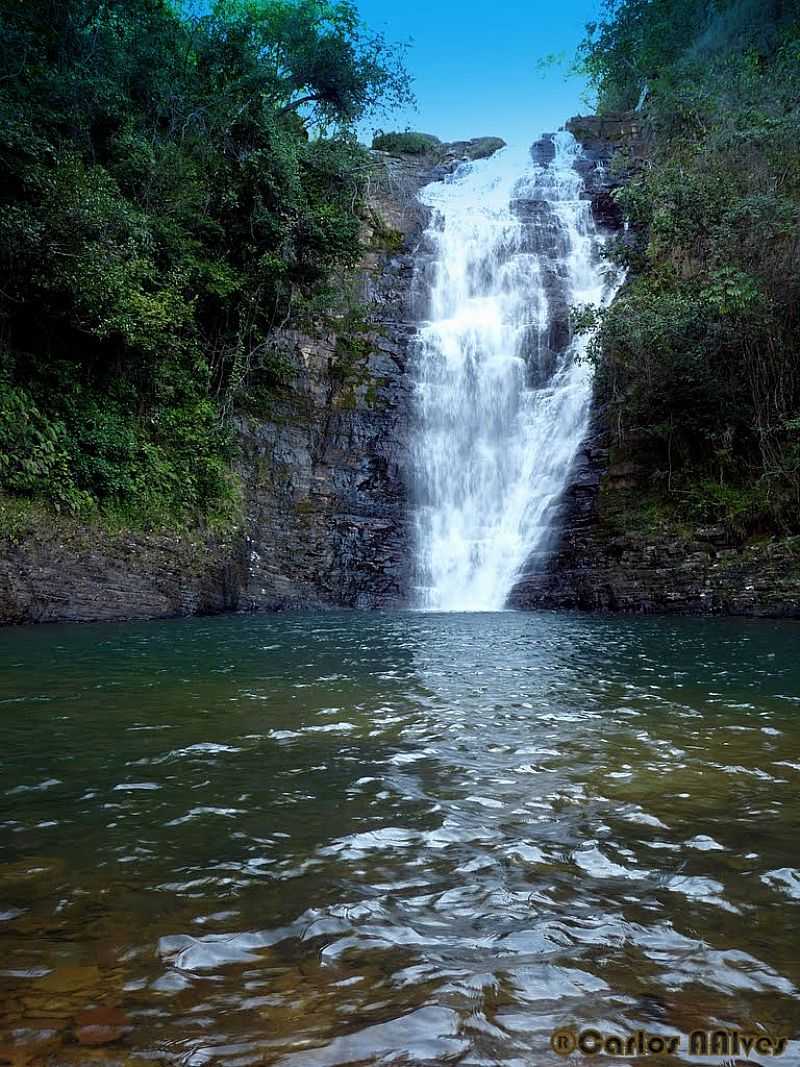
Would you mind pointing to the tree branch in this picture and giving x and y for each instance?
(295, 104)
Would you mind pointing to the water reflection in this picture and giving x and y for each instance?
(399, 839)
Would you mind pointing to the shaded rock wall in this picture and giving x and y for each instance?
(325, 490)
(53, 570)
(610, 557)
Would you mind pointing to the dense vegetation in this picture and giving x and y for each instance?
(407, 143)
(699, 357)
(172, 188)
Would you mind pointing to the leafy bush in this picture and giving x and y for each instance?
(165, 468)
(405, 144)
(34, 453)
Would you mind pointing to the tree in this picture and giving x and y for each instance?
(697, 359)
(633, 42)
(317, 54)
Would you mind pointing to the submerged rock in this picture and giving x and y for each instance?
(101, 1026)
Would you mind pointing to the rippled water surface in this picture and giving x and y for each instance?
(395, 839)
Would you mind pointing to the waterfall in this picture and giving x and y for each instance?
(502, 396)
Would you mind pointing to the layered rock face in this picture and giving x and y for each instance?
(324, 487)
(605, 557)
(547, 239)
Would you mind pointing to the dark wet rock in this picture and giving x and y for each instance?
(543, 151)
(606, 210)
(615, 146)
(60, 571)
(602, 136)
(598, 563)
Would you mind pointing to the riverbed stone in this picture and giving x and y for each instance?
(68, 979)
(101, 1026)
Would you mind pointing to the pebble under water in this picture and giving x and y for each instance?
(320, 840)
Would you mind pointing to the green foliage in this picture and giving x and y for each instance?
(407, 143)
(697, 358)
(315, 52)
(635, 45)
(350, 367)
(164, 468)
(632, 42)
(741, 510)
(35, 453)
(172, 189)
(385, 237)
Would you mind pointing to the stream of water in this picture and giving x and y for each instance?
(329, 840)
(503, 395)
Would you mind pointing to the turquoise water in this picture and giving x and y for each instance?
(396, 839)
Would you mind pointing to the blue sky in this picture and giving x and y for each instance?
(474, 64)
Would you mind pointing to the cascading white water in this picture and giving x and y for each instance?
(503, 400)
